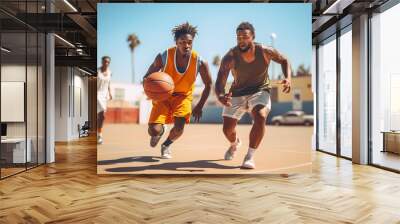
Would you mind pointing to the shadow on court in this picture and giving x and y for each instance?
(193, 166)
(200, 151)
(145, 159)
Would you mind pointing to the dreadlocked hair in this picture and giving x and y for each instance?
(183, 29)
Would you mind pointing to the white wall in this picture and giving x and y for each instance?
(71, 87)
(13, 101)
(62, 81)
(144, 110)
(134, 95)
(132, 92)
(13, 72)
(80, 98)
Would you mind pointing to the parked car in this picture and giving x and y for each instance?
(293, 117)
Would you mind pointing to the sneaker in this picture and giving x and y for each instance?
(230, 153)
(155, 139)
(248, 162)
(165, 152)
(99, 140)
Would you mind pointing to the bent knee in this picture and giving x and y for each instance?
(260, 113)
(178, 130)
(155, 129)
(228, 129)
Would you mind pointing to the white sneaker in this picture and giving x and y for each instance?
(230, 153)
(248, 162)
(155, 139)
(165, 152)
(99, 140)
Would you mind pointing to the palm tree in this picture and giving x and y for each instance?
(216, 61)
(133, 43)
(303, 71)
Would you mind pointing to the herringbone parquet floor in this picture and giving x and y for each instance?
(69, 191)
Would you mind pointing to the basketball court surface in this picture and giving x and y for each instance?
(126, 150)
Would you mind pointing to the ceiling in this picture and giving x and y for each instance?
(76, 21)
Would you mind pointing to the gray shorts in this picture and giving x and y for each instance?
(243, 104)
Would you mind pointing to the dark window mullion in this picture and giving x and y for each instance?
(338, 98)
(1, 163)
(37, 90)
(369, 89)
(316, 96)
(26, 87)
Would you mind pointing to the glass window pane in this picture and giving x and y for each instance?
(23, 84)
(13, 86)
(327, 96)
(386, 89)
(41, 98)
(346, 94)
(31, 97)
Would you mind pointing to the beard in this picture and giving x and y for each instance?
(244, 49)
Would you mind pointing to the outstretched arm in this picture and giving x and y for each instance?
(156, 66)
(223, 73)
(276, 56)
(206, 78)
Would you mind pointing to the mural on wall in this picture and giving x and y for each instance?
(162, 135)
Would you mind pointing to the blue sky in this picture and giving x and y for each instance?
(216, 23)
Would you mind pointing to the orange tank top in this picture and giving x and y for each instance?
(184, 82)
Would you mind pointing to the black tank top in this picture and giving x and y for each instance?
(252, 77)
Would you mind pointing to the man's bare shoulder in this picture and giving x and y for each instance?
(267, 49)
(229, 56)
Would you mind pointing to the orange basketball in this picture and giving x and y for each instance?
(158, 86)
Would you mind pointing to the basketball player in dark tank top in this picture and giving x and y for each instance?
(250, 91)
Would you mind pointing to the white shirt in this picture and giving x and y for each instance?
(103, 82)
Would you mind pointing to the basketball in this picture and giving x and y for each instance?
(158, 86)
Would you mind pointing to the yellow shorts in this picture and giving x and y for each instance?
(163, 112)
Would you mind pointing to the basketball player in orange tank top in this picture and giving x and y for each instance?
(182, 64)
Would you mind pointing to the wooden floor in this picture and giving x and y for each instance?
(387, 159)
(10, 171)
(70, 191)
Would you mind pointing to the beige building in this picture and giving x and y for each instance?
(301, 86)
